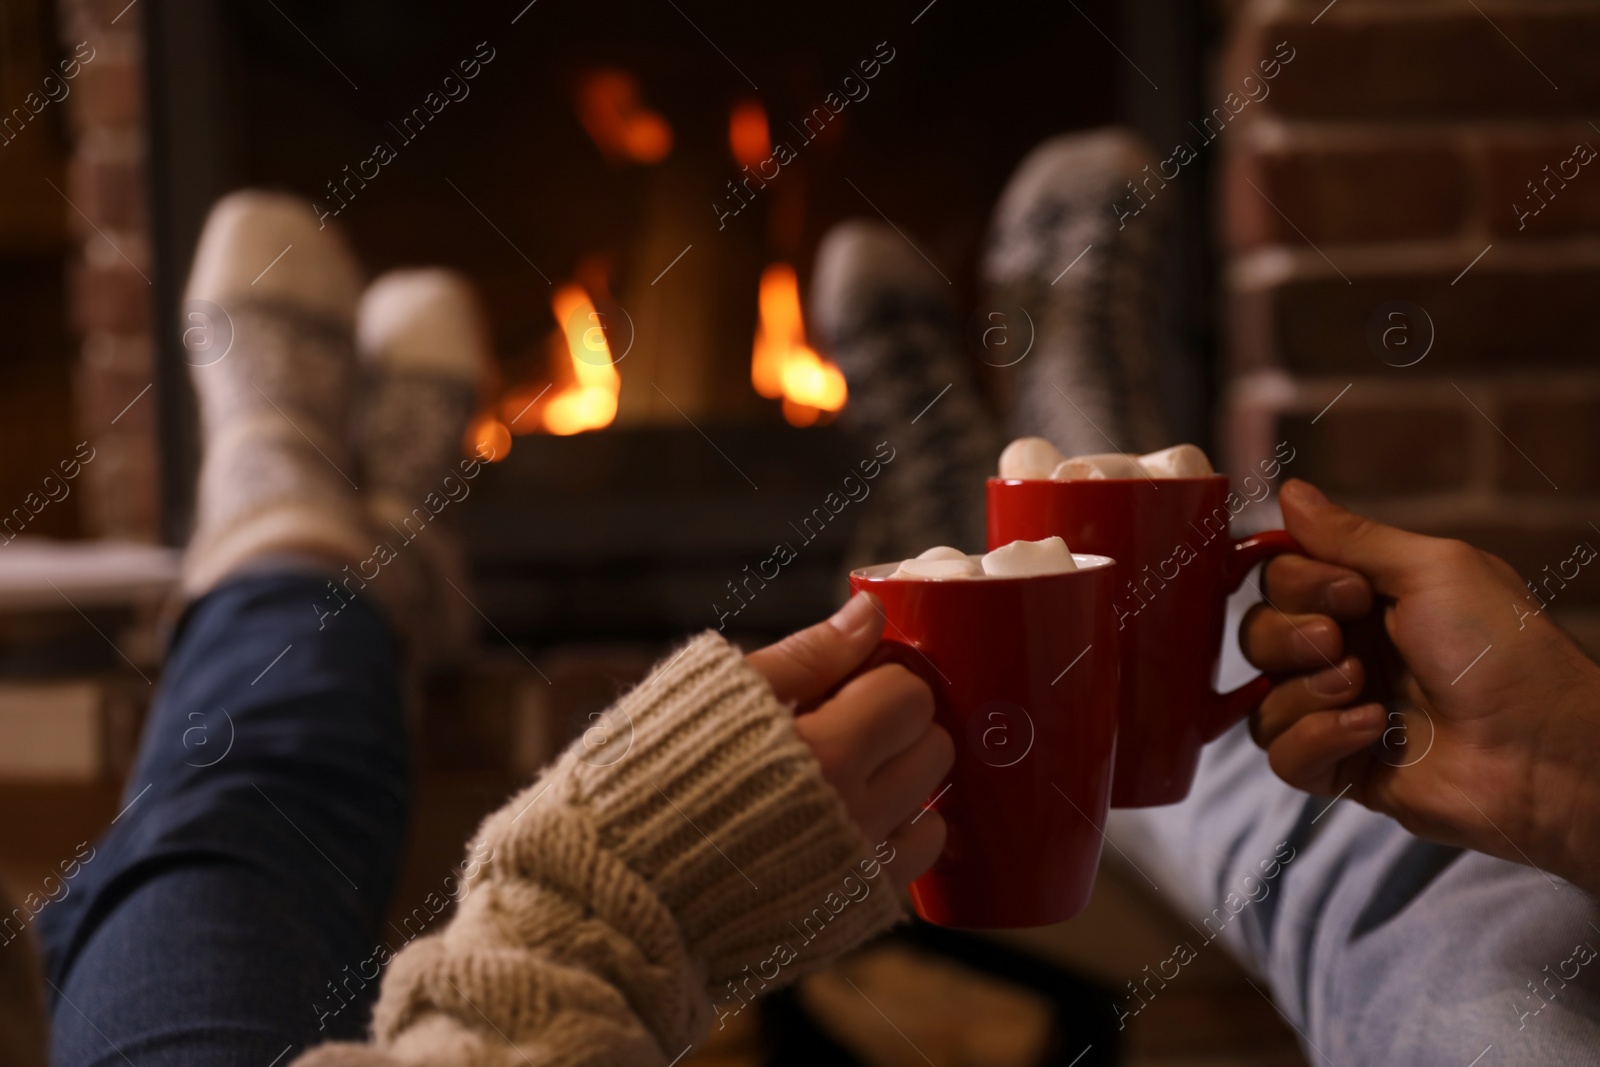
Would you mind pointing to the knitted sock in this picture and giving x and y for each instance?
(425, 345)
(644, 888)
(275, 476)
(887, 319)
(1089, 383)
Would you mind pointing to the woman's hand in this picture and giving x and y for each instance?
(875, 738)
(1492, 728)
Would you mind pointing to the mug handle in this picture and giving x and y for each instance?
(1225, 709)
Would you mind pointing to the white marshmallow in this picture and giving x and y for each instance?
(938, 569)
(943, 552)
(1100, 465)
(1179, 461)
(1029, 457)
(1022, 559)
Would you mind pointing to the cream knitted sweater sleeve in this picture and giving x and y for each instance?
(640, 891)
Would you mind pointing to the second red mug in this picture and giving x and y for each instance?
(1024, 676)
(1177, 564)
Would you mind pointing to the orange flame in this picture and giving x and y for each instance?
(589, 400)
(616, 119)
(748, 136)
(488, 439)
(781, 364)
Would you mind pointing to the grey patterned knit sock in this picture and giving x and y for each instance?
(1089, 383)
(426, 351)
(888, 320)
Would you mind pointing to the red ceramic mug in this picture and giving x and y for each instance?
(1024, 676)
(1177, 565)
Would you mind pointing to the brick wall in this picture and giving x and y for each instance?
(108, 286)
(1385, 160)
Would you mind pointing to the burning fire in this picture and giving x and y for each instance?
(488, 439)
(589, 399)
(618, 121)
(781, 364)
(580, 395)
(748, 137)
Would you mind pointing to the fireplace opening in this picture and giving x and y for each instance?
(638, 192)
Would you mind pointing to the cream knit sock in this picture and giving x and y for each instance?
(426, 350)
(670, 866)
(274, 408)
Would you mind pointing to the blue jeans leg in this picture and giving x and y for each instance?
(259, 843)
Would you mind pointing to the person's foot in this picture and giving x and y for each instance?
(426, 351)
(1088, 275)
(889, 322)
(275, 478)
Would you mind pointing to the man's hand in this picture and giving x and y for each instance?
(875, 738)
(1493, 720)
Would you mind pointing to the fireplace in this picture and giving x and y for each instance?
(653, 178)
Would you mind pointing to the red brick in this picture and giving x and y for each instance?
(1373, 452)
(78, 16)
(1491, 321)
(1246, 422)
(105, 393)
(108, 187)
(1381, 190)
(1391, 62)
(1561, 206)
(1583, 626)
(108, 92)
(1531, 548)
(82, 38)
(113, 297)
(1551, 444)
(123, 498)
(121, 352)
